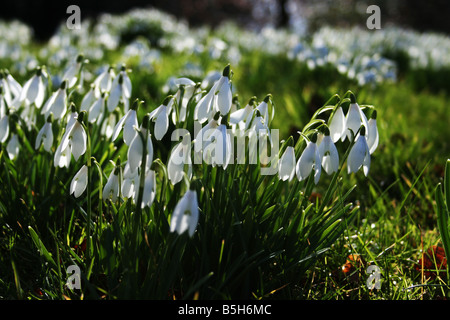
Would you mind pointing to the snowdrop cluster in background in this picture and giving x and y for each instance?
(140, 35)
(424, 50)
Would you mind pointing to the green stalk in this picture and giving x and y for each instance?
(80, 119)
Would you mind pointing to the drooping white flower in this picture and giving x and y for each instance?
(97, 109)
(263, 108)
(218, 151)
(337, 125)
(204, 107)
(223, 92)
(130, 182)
(33, 90)
(136, 148)
(329, 154)
(354, 119)
(4, 128)
(359, 155)
(62, 156)
(79, 182)
(286, 165)
(186, 90)
(92, 95)
(75, 138)
(10, 89)
(179, 158)
(185, 216)
(161, 118)
(149, 189)
(57, 103)
(309, 160)
(73, 71)
(242, 114)
(111, 189)
(372, 134)
(104, 79)
(203, 135)
(119, 93)
(13, 147)
(127, 86)
(45, 136)
(13, 85)
(128, 123)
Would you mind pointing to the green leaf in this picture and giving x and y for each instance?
(447, 183)
(442, 221)
(40, 246)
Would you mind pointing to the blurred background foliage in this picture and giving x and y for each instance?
(304, 15)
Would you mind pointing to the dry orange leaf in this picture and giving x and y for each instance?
(432, 262)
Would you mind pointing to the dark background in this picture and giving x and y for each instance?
(45, 15)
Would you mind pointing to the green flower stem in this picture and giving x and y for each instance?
(80, 118)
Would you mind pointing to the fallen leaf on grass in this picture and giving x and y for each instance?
(433, 262)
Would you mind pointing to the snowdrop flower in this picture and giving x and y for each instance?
(204, 106)
(130, 182)
(263, 108)
(13, 147)
(218, 98)
(136, 148)
(204, 134)
(219, 150)
(111, 189)
(79, 182)
(359, 154)
(10, 88)
(62, 157)
(33, 90)
(13, 85)
(329, 154)
(119, 93)
(72, 116)
(108, 125)
(74, 70)
(372, 134)
(4, 128)
(354, 119)
(286, 166)
(161, 117)
(149, 189)
(309, 160)
(187, 88)
(337, 125)
(74, 138)
(128, 123)
(179, 158)
(45, 136)
(242, 114)
(223, 92)
(57, 103)
(185, 216)
(92, 95)
(104, 79)
(3, 103)
(96, 110)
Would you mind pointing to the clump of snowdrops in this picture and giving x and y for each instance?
(196, 196)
